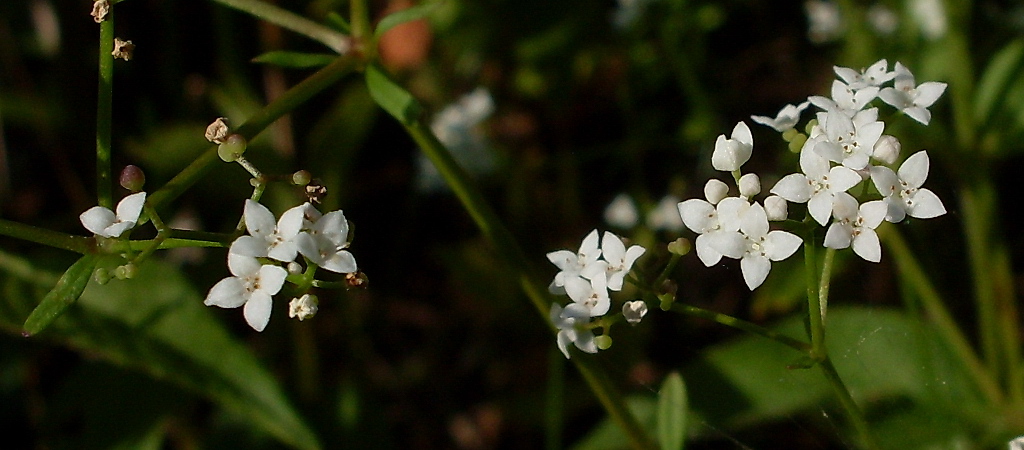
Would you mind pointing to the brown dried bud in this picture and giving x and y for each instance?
(218, 130)
(100, 9)
(123, 49)
(315, 191)
(132, 178)
(357, 280)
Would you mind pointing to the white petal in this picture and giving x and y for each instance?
(885, 180)
(897, 210)
(926, 205)
(928, 93)
(257, 310)
(741, 133)
(820, 207)
(914, 171)
(243, 266)
(919, 114)
(563, 259)
(97, 219)
(258, 219)
(698, 215)
(793, 187)
(227, 293)
(612, 248)
(866, 245)
(585, 341)
(780, 245)
(814, 164)
(249, 246)
(707, 255)
(730, 212)
(844, 206)
(842, 178)
(715, 190)
(292, 221)
(130, 208)
(578, 289)
(838, 236)
(728, 243)
(755, 222)
(755, 270)
(334, 227)
(588, 249)
(284, 251)
(340, 262)
(565, 336)
(873, 213)
(117, 228)
(307, 246)
(271, 278)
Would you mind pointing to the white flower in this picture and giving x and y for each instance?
(325, 239)
(850, 140)
(883, 19)
(876, 75)
(267, 238)
(103, 222)
(930, 16)
(252, 285)
(755, 246)
(303, 308)
(856, 226)
(665, 215)
(619, 259)
(730, 154)
(622, 212)
(572, 328)
(715, 190)
(845, 98)
(903, 192)
(786, 119)
(573, 264)
(912, 100)
(824, 21)
(708, 220)
(590, 297)
(817, 186)
(634, 311)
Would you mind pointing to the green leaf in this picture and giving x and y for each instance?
(1001, 71)
(156, 323)
(389, 95)
(672, 410)
(403, 16)
(68, 289)
(339, 23)
(295, 60)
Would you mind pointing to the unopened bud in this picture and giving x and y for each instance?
(604, 342)
(232, 148)
(126, 271)
(797, 143)
(101, 275)
(887, 149)
(132, 178)
(218, 130)
(715, 190)
(750, 185)
(789, 134)
(776, 208)
(294, 268)
(301, 178)
(680, 246)
(634, 311)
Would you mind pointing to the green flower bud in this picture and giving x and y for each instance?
(101, 275)
(232, 148)
(302, 178)
(604, 342)
(797, 143)
(132, 178)
(680, 247)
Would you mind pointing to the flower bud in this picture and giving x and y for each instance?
(101, 275)
(887, 149)
(634, 311)
(294, 268)
(715, 190)
(789, 134)
(797, 143)
(218, 130)
(132, 178)
(680, 246)
(304, 307)
(776, 208)
(232, 148)
(621, 212)
(750, 185)
(301, 178)
(604, 342)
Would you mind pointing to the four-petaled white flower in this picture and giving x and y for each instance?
(252, 285)
(325, 239)
(855, 226)
(572, 329)
(817, 186)
(268, 238)
(619, 259)
(755, 246)
(590, 297)
(786, 119)
(850, 140)
(103, 222)
(913, 100)
(875, 75)
(902, 191)
(708, 220)
(571, 264)
(730, 154)
(845, 99)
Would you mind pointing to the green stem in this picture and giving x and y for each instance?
(104, 111)
(284, 104)
(499, 236)
(976, 201)
(77, 244)
(910, 272)
(846, 400)
(743, 325)
(289, 20)
(825, 283)
(816, 322)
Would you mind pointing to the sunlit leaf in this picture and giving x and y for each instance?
(68, 289)
(1001, 71)
(390, 96)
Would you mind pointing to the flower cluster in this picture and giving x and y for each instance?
(844, 148)
(255, 260)
(586, 276)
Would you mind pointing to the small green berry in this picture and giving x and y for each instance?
(604, 342)
(232, 148)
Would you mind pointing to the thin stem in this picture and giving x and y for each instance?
(362, 30)
(910, 272)
(743, 325)
(284, 104)
(976, 202)
(104, 111)
(286, 19)
(77, 244)
(846, 400)
(816, 322)
(825, 282)
(162, 233)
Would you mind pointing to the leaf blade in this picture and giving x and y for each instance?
(672, 413)
(68, 289)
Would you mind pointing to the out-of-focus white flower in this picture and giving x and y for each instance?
(103, 222)
(786, 119)
(731, 153)
(634, 311)
(665, 215)
(252, 285)
(903, 192)
(930, 16)
(824, 21)
(303, 308)
(883, 19)
(622, 212)
(572, 329)
(911, 99)
(457, 127)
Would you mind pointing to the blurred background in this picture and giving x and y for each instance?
(571, 115)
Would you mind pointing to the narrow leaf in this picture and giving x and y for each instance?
(339, 23)
(672, 409)
(1001, 71)
(403, 16)
(295, 60)
(69, 287)
(390, 96)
